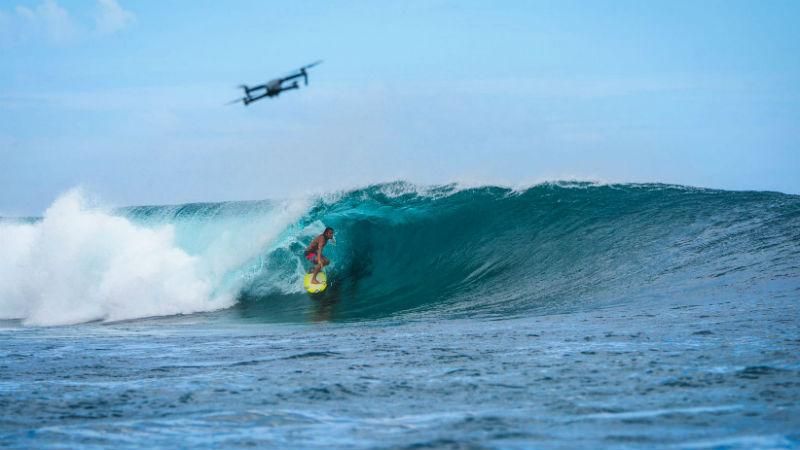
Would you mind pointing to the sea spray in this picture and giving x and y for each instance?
(78, 264)
(81, 264)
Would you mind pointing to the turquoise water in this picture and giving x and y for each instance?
(562, 315)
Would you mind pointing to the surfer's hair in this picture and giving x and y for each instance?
(327, 229)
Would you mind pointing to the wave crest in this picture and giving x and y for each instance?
(446, 251)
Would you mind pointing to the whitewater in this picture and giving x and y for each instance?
(564, 314)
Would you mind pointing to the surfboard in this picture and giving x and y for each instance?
(315, 288)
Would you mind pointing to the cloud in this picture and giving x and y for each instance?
(5, 28)
(111, 17)
(49, 21)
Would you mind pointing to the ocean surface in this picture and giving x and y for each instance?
(562, 315)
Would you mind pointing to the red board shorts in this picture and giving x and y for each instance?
(311, 256)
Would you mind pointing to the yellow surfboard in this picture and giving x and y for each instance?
(315, 288)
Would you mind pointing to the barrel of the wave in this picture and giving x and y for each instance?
(315, 288)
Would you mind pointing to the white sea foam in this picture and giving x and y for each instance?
(80, 264)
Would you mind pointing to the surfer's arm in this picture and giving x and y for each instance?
(313, 247)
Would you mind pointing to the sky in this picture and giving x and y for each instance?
(127, 100)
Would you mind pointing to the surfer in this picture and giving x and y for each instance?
(314, 253)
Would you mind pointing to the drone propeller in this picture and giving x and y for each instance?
(315, 63)
(235, 101)
(304, 73)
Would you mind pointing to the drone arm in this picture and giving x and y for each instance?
(291, 77)
(249, 89)
(290, 87)
(251, 99)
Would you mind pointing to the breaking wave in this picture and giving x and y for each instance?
(440, 251)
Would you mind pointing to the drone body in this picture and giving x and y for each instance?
(274, 87)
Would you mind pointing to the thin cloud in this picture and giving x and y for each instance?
(5, 28)
(50, 19)
(51, 22)
(111, 17)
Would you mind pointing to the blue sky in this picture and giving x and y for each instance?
(126, 99)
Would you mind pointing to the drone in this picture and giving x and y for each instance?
(274, 87)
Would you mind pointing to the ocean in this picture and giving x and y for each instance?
(560, 315)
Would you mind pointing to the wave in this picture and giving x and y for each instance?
(438, 251)
(81, 264)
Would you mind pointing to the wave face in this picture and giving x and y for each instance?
(438, 252)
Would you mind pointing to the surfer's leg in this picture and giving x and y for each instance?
(317, 268)
(312, 258)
